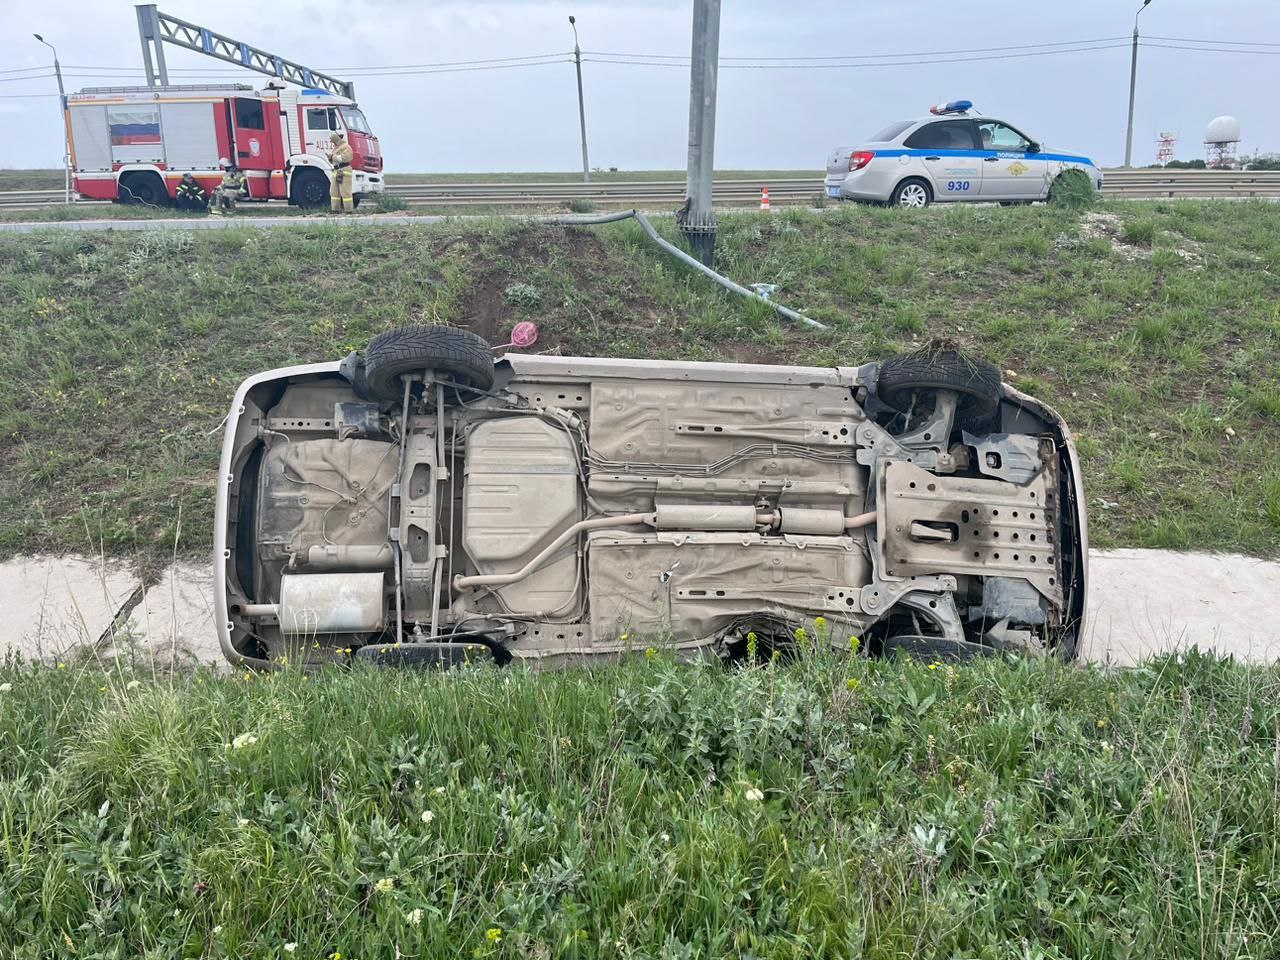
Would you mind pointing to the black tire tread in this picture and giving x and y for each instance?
(466, 357)
(975, 379)
(300, 181)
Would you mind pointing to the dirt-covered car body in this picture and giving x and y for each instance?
(586, 507)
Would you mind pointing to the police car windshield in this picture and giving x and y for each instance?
(355, 120)
(892, 131)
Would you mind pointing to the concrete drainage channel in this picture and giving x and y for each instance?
(1140, 602)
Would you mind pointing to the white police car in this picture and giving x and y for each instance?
(951, 156)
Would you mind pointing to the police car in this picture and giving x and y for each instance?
(951, 156)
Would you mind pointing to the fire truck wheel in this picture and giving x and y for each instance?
(459, 355)
(310, 188)
(144, 188)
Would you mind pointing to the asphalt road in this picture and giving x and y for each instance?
(1141, 603)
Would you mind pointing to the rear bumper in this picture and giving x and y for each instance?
(869, 184)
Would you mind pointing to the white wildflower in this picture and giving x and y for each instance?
(439, 791)
(217, 930)
(5, 687)
(242, 822)
(414, 916)
(754, 794)
(665, 838)
(132, 685)
(243, 740)
(385, 885)
(290, 947)
(427, 816)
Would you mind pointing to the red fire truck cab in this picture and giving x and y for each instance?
(133, 144)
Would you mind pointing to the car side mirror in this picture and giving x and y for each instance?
(1033, 147)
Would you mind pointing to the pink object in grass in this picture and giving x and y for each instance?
(523, 334)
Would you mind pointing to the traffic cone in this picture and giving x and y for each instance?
(764, 198)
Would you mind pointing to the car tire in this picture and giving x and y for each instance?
(309, 189)
(911, 192)
(143, 188)
(976, 381)
(461, 355)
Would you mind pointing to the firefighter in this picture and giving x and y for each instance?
(190, 195)
(232, 187)
(340, 199)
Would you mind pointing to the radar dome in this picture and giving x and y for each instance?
(1223, 130)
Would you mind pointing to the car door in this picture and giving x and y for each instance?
(1011, 167)
(321, 122)
(946, 151)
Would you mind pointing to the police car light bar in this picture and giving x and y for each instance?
(955, 106)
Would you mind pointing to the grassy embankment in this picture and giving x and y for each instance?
(1160, 344)
(827, 809)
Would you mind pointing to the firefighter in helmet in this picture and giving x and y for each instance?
(190, 195)
(233, 186)
(340, 199)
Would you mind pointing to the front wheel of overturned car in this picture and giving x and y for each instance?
(458, 355)
(976, 381)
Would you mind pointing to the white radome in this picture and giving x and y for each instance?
(1223, 130)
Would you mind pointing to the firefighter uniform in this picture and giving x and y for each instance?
(340, 199)
(190, 195)
(233, 184)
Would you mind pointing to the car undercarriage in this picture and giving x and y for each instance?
(419, 503)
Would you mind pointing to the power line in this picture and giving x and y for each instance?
(841, 66)
(38, 76)
(867, 56)
(1224, 43)
(25, 69)
(1174, 46)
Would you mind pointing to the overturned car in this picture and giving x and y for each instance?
(421, 502)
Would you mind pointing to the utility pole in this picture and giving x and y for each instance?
(1133, 82)
(582, 110)
(62, 118)
(698, 222)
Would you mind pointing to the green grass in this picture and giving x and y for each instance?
(1025, 809)
(122, 351)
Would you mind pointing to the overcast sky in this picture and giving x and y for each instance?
(637, 116)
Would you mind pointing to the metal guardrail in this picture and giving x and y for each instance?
(1129, 184)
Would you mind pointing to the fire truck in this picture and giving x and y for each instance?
(133, 144)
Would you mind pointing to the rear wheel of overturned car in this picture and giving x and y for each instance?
(912, 192)
(974, 380)
(457, 355)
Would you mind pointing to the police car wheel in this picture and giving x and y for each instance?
(457, 355)
(912, 192)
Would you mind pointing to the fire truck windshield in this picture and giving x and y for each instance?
(355, 120)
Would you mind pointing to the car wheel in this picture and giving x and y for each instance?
(912, 192)
(458, 354)
(310, 188)
(976, 381)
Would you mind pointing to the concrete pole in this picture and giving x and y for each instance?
(1133, 83)
(149, 34)
(698, 223)
(62, 116)
(582, 110)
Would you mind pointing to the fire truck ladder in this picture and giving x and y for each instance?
(156, 28)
